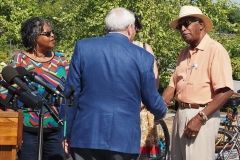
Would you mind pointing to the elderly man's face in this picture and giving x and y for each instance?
(190, 29)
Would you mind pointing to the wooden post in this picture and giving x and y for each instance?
(10, 134)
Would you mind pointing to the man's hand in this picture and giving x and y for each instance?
(66, 146)
(193, 126)
(168, 95)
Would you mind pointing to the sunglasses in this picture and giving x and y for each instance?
(47, 34)
(185, 23)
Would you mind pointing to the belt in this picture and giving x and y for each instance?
(188, 105)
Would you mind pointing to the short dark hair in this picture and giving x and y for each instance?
(30, 30)
(138, 23)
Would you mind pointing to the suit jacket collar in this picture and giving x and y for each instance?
(117, 35)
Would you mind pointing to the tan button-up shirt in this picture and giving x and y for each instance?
(202, 71)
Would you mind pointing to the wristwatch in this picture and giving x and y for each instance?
(203, 116)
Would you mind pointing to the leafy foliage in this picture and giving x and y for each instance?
(78, 19)
(236, 68)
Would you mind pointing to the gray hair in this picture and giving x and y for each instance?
(118, 19)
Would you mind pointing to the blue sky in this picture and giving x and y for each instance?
(237, 1)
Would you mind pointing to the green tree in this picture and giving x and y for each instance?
(78, 19)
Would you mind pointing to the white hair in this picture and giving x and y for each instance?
(118, 19)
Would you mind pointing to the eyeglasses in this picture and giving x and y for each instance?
(47, 34)
(185, 23)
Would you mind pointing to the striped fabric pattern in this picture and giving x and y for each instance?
(54, 72)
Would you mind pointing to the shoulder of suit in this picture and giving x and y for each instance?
(144, 53)
(90, 40)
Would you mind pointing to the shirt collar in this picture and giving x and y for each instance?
(204, 42)
(118, 35)
(112, 33)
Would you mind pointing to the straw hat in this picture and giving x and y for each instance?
(192, 11)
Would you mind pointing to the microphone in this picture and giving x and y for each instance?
(29, 100)
(22, 71)
(25, 96)
(4, 102)
(11, 92)
(11, 76)
(36, 78)
(23, 75)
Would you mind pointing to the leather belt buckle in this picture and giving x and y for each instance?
(185, 105)
(189, 105)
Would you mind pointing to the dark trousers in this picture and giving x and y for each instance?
(98, 154)
(52, 146)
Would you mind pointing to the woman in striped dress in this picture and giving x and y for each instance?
(39, 40)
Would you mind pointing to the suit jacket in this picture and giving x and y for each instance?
(109, 77)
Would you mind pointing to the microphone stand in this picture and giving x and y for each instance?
(42, 104)
(40, 133)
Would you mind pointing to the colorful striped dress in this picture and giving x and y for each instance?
(54, 72)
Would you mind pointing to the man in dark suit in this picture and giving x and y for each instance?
(109, 76)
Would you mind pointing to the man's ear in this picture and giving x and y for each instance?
(129, 30)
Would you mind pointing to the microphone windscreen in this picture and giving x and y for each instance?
(22, 71)
(9, 73)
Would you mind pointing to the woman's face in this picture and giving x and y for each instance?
(46, 39)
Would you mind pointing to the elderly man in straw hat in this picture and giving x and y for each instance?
(201, 84)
